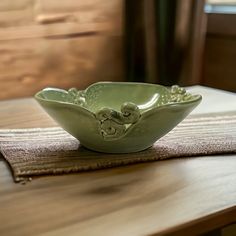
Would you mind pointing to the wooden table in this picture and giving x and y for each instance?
(175, 197)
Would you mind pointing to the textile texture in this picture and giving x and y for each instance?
(51, 151)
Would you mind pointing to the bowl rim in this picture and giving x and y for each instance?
(196, 97)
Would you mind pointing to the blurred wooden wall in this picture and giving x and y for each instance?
(61, 43)
(220, 52)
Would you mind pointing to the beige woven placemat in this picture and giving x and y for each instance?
(50, 151)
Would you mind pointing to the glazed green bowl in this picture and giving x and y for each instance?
(116, 117)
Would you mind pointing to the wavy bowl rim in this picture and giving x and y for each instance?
(154, 109)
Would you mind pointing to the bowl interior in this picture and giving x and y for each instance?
(53, 94)
(113, 95)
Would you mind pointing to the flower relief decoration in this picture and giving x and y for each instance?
(114, 124)
(178, 94)
(76, 97)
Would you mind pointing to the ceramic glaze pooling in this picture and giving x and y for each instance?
(118, 117)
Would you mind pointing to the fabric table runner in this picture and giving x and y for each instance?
(51, 151)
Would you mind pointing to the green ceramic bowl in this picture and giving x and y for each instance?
(118, 117)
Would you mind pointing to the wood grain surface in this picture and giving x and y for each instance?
(176, 197)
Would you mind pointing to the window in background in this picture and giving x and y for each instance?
(220, 6)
